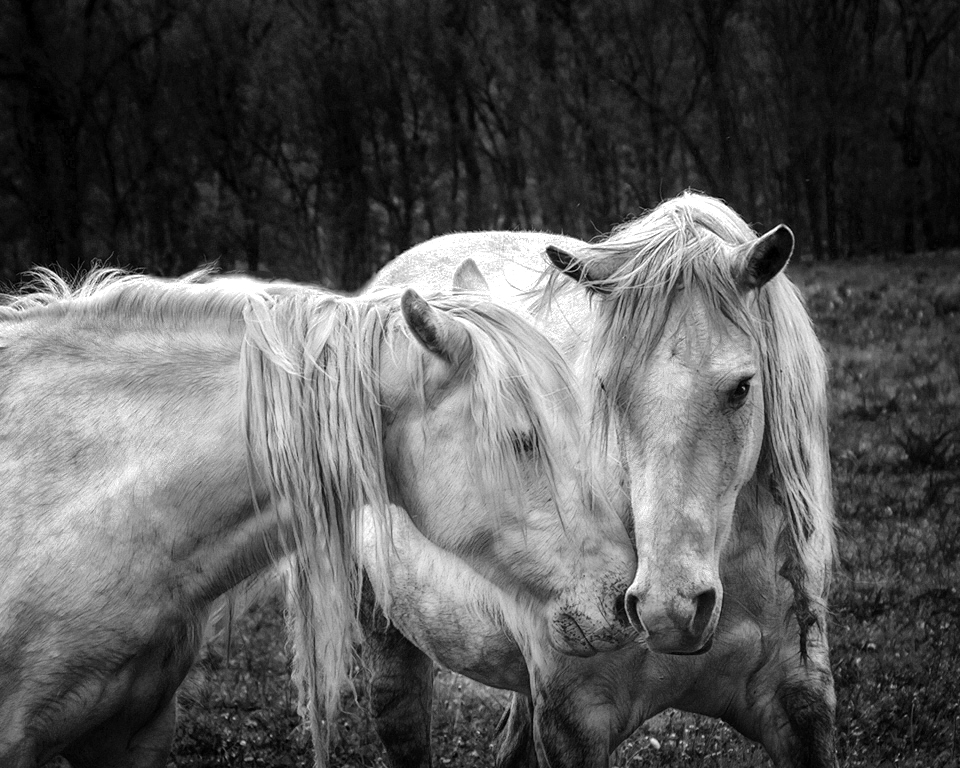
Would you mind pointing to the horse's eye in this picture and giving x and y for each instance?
(738, 395)
(524, 443)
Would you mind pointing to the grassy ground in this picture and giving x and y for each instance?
(892, 331)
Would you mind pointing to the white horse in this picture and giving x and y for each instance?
(161, 441)
(709, 383)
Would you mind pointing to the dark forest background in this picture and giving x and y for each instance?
(315, 139)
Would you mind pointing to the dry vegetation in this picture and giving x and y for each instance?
(892, 331)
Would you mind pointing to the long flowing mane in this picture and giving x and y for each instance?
(688, 244)
(311, 409)
(311, 415)
(309, 352)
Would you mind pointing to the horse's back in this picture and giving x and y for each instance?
(514, 266)
(511, 260)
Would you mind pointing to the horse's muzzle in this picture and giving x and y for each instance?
(679, 626)
(575, 633)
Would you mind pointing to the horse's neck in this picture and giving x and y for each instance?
(137, 445)
(416, 582)
(229, 528)
(254, 542)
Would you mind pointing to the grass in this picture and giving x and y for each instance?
(892, 332)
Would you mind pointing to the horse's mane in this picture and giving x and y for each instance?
(795, 460)
(320, 353)
(311, 410)
(109, 294)
(688, 244)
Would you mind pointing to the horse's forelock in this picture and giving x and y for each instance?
(516, 375)
(513, 374)
(684, 248)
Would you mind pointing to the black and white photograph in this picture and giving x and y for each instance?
(466, 383)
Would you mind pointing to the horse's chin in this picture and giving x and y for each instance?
(684, 647)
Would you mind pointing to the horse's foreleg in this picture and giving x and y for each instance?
(580, 709)
(571, 726)
(113, 746)
(804, 736)
(553, 734)
(516, 747)
(798, 729)
(792, 708)
(401, 694)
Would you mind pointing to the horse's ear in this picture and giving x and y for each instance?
(439, 334)
(594, 276)
(765, 257)
(469, 279)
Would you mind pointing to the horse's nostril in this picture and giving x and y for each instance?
(706, 601)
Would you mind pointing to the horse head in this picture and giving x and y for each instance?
(680, 379)
(481, 426)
